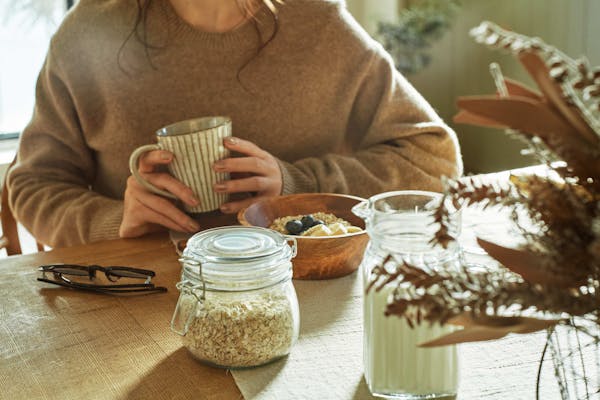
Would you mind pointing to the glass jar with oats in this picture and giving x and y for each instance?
(237, 306)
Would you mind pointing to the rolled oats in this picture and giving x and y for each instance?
(241, 332)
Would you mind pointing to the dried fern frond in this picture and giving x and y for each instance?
(436, 296)
(467, 192)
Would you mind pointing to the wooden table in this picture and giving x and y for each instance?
(59, 343)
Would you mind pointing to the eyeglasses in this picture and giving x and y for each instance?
(67, 274)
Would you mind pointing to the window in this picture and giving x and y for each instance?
(26, 27)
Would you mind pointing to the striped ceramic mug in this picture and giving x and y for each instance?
(196, 144)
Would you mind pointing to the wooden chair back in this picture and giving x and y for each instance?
(10, 233)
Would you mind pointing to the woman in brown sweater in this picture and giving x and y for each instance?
(316, 105)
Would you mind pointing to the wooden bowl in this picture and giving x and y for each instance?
(321, 257)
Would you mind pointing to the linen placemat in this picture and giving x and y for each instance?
(326, 362)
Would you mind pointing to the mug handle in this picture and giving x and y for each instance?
(133, 167)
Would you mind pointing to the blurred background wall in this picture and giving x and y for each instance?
(460, 66)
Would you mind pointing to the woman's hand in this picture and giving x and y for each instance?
(145, 212)
(260, 169)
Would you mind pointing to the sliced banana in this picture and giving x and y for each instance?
(337, 228)
(353, 229)
(318, 230)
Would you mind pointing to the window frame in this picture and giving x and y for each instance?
(15, 135)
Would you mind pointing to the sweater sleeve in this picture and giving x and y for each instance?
(394, 141)
(50, 185)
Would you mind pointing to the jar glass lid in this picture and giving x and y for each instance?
(236, 244)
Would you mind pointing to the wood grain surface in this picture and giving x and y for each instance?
(57, 343)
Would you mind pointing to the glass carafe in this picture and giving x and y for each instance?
(401, 224)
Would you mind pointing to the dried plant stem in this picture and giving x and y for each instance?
(541, 363)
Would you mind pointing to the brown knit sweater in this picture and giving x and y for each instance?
(321, 96)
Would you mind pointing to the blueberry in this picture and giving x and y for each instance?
(318, 222)
(294, 227)
(307, 221)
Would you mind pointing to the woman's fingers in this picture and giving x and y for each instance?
(245, 147)
(253, 165)
(235, 206)
(144, 212)
(147, 166)
(148, 161)
(151, 216)
(172, 185)
(266, 176)
(168, 210)
(251, 184)
(139, 220)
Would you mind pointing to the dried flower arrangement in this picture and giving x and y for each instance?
(554, 277)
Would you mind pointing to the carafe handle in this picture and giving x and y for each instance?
(362, 210)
